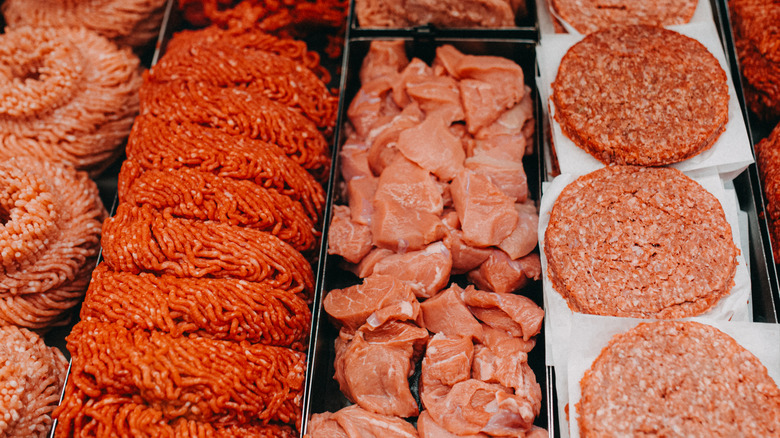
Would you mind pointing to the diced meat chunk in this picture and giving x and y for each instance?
(433, 147)
(489, 85)
(360, 423)
(515, 314)
(448, 359)
(473, 406)
(347, 238)
(366, 108)
(366, 266)
(487, 216)
(500, 273)
(504, 343)
(352, 306)
(508, 176)
(508, 370)
(447, 59)
(373, 368)
(513, 121)
(360, 191)
(411, 186)
(501, 147)
(447, 313)
(384, 137)
(525, 236)
(500, 72)
(353, 159)
(384, 58)
(415, 72)
(439, 96)
(324, 426)
(428, 428)
(465, 257)
(403, 229)
(426, 271)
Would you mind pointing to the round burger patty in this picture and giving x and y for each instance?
(641, 95)
(588, 16)
(678, 378)
(639, 242)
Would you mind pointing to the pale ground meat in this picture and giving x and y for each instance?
(678, 378)
(641, 95)
(31, 378)
(768, 161)
(756, 26)
(639, 242)
(587, 16)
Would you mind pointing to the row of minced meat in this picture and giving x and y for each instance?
(197, 319)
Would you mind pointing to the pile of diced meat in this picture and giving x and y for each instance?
(433, 170)
(434, 176)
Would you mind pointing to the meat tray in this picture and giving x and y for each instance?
(526, 28)
(322, 391)
(765, 298)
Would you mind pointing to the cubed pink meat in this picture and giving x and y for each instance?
(411, 186)
(384, 137)
(487, 216)
(500, 273)
(353, 159)
(512, 313)
(415, 72)
(472, 406)
(366, 266)
(426, 271)
(508, 176)
(428, 428)
(373, 371)
(448, 359)
(512, 121)
(347, 238)
(353, 305)
(433, 147)
(524, 238)
(384, 58)
(402, 229)
(366, 107)
(438, 95)
(447, 313)
(360, 423)
(324, 426)
(360, 191)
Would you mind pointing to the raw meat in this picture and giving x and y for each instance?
(500, 273)
(373, 367)
(385, 58)
(352, 306)
(487, 216)
(428, 428)
(346, 237)
(402, 229)
(514, 313)
(359, 423)
(433, 147)
(426, 271)
(448, 359)
(447, 313)
(360, 191)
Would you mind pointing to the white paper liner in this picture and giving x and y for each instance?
(590, 334)
(558, 316)
(730, 154)
(545, 13)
